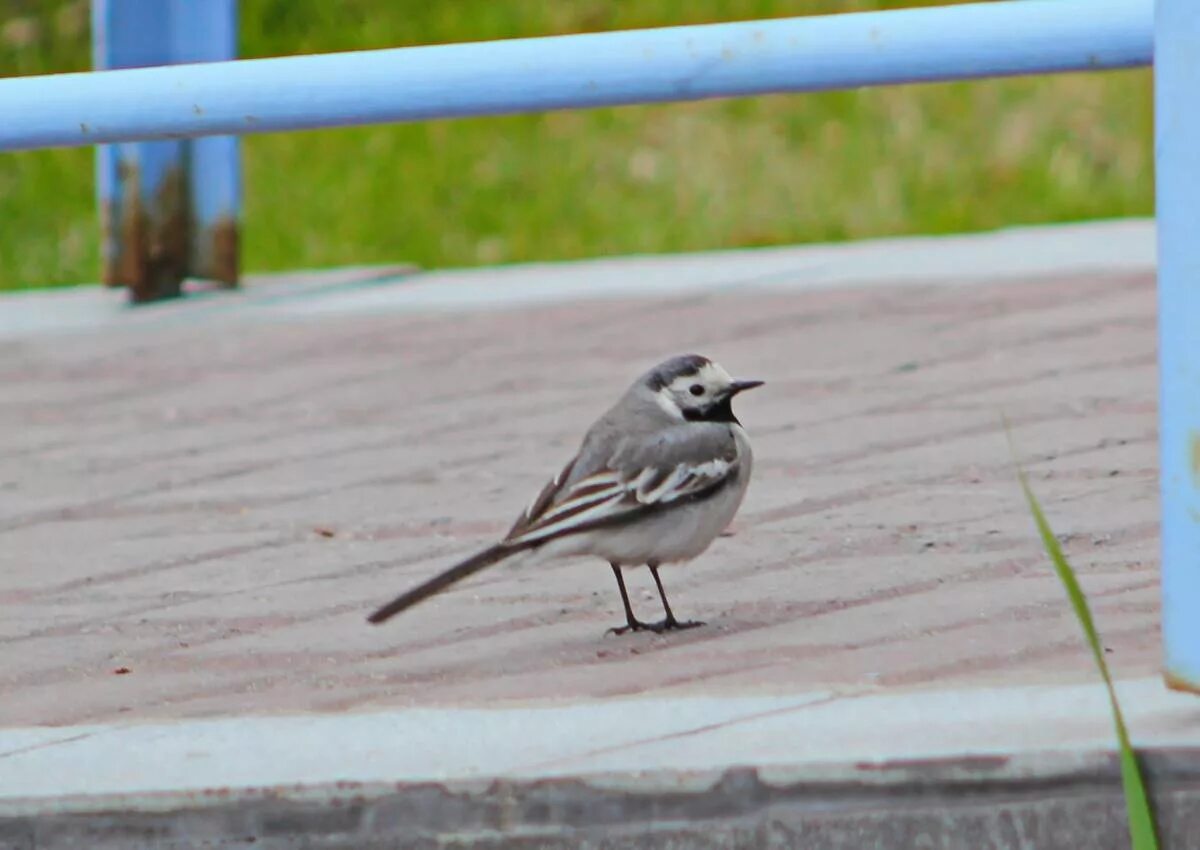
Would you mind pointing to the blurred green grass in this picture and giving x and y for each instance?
(760, 171)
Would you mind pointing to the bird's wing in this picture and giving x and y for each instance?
(639, 475)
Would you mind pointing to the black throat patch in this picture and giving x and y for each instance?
(722, 411)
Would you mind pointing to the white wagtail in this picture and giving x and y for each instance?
(656, 479)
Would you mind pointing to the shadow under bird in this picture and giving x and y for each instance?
(656, 479)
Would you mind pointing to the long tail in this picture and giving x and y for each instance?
(442, 580)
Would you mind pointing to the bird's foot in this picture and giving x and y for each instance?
(631, 626)
(669, 624)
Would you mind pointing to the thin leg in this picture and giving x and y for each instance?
(669, 622)
(632, 623)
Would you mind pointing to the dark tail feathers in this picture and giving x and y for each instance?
(442, 580)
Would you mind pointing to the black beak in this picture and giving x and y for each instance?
(741, 386)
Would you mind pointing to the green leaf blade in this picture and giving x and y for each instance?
(1142, 833)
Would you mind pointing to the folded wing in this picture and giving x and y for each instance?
(639, 477)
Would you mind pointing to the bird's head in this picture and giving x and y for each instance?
(695, 389)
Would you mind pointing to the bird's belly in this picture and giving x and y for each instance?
(675, 534)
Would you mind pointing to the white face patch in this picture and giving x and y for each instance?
(711, 377)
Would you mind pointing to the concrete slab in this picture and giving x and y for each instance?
(197, 509)
(865, 737)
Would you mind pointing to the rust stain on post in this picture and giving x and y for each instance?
(217, 252)
(110, 274)
(151, 245)
(1178, 683)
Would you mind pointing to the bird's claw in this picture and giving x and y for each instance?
(633, 626)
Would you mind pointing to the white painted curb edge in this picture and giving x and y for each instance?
(1034, 730)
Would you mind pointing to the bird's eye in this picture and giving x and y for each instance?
(696, 389)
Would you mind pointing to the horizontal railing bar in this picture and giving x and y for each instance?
(603, 69)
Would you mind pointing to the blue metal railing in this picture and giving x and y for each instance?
(520, 75)
(1177, 189)
(670, 64)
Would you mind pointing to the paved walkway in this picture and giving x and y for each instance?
(201, 501)
(196, 514)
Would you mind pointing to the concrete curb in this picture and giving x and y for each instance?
(1111, 247)
(737, 808)
(867, 770)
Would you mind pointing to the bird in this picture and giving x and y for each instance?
(655, 480)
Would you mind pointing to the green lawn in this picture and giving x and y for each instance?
(761, 171)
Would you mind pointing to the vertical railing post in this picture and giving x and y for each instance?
(206, 31)
(143, 197)
(1177, 150)
(168, 209)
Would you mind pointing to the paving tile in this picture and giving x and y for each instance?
(216, 505)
